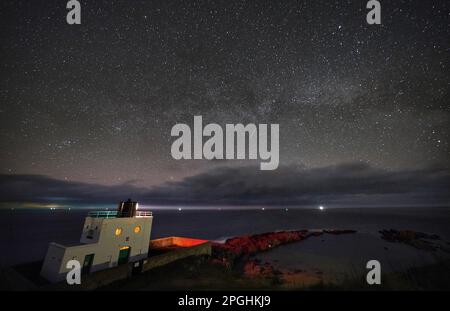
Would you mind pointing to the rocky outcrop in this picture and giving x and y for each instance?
(415, 239)
(244, 246)
(254, 268)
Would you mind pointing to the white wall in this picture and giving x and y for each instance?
(53, 261)
(105, 245)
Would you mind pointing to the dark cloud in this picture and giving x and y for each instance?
(340, 185)
(32, 188)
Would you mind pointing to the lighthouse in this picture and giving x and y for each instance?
(108, 239)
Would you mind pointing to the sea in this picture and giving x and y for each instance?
(26, 233)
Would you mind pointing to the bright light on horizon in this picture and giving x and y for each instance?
(321, 207)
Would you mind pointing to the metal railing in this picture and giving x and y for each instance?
(103, 214)
(114, 214)
(143, 214)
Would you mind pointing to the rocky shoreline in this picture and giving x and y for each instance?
(418, 240)
(237, 264)
(238, 252)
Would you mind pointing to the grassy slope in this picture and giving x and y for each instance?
(197, 273)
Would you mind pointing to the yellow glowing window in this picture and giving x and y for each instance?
(118, 231)
(137, 229)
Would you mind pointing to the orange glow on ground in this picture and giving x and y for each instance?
(175, 241)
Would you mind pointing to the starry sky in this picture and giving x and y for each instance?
(94, 103)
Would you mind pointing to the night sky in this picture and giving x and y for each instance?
(94, 103)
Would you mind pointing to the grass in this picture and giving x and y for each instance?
(198, 273)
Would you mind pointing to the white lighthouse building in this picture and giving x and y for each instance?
(109, 238)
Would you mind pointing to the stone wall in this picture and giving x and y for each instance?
(176, 254)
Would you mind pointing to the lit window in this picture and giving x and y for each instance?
(118, 231)
(137, 229)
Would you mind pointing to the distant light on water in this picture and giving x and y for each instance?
(321, 208)
(179, 209)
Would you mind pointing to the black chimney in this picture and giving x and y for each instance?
(127, 209)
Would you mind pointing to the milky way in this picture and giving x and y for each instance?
(95, 102)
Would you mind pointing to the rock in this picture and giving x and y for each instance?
(415, 239)
(253, 269)
(248, 245)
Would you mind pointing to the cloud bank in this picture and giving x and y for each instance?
(340, 185)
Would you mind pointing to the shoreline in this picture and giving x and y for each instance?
(240, 261)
